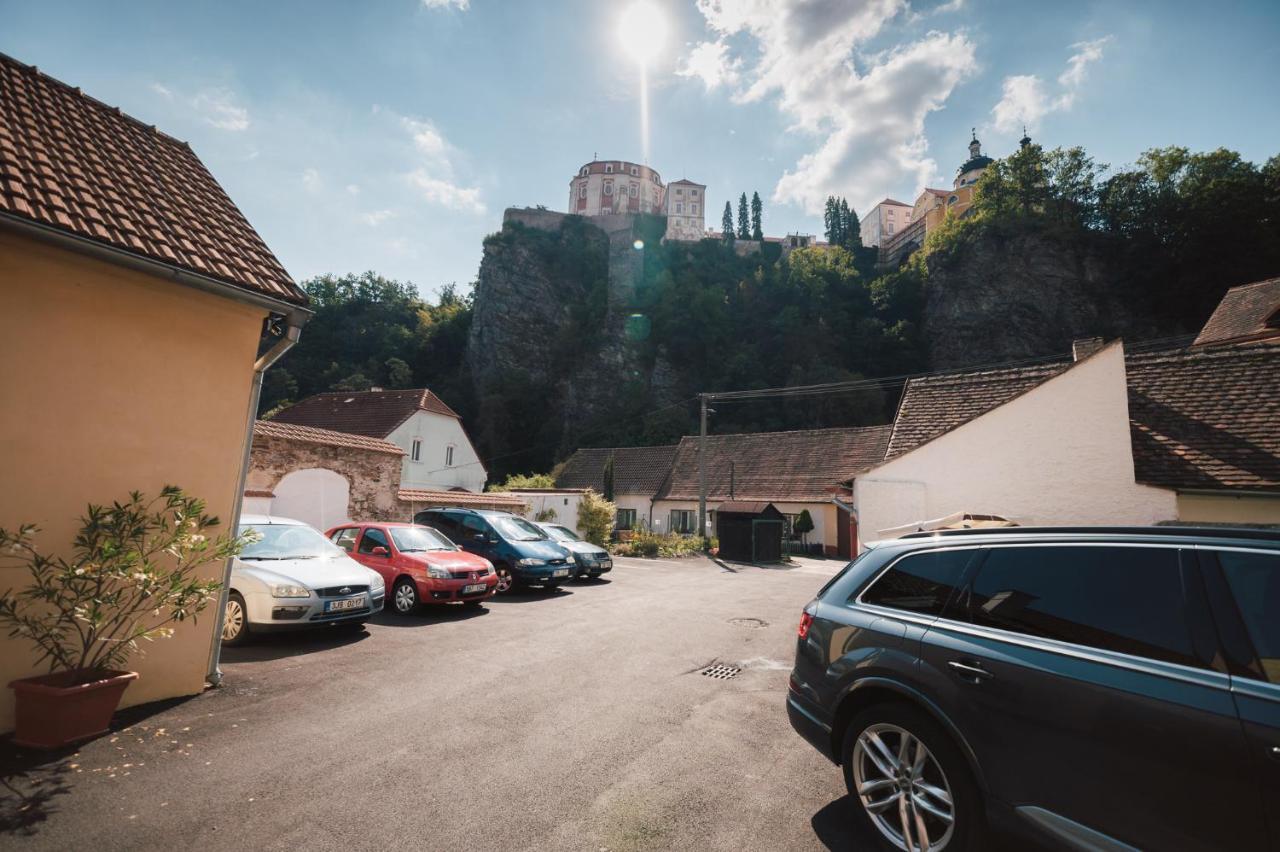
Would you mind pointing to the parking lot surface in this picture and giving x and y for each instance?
(571, 720)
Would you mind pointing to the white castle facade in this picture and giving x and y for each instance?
(607, 187)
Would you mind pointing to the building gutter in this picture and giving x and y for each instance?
(260, 367)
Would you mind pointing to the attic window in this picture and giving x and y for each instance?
(448, 456)
(416, 452)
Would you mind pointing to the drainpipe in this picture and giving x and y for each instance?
(271, 356)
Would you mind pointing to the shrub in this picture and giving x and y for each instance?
(650, 544)
(595, 518)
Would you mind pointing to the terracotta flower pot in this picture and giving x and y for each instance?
(59, 709)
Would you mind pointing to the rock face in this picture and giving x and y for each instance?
(994, 299)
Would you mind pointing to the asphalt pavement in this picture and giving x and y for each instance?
(575, 720)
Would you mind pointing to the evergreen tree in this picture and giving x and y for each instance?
(757, 214)
(851, 228)
(832, 221)
(744, 224)
(726, 225)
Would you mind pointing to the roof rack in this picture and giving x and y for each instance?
(1172, 530)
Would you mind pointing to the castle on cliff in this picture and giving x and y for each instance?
(609, 187)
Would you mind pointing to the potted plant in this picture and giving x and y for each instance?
(132, 575)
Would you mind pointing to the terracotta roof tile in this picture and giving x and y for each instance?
(1248, 312)
(934, 405)
(78, 165)
(372, 413)
(636, 470)
(307, 434)
(497, 500)
(804, 466)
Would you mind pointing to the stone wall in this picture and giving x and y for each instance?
(374, 477)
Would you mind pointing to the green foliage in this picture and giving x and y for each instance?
(546, 516)
(665, 545)
(841, 224)
(608, 479)
(133, 573)
(757, 214)
(726, 225)
(595, 518)
(519, 481)
(744, 221)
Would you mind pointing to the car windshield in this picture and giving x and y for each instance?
(517, 529)
(419, 539)
(560, 533)
(287, 541)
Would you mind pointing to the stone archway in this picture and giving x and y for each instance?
(315, 495)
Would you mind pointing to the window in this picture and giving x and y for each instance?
(919, 582)
(438, 520)
(1126, 599)
(448, 456)
(608, 168)
(625, 520)
(888, 229)
(585, 169)
(679, 191)
(635, 190)
(582, 191)
(694, 193)
(953, 199)
(346, 538)
(373, 538)
(693, 208)
(415, 451)
(634, 171)
(1254, 579)
(473, 526)
(608, 188)
(684, 521)
(679, 207)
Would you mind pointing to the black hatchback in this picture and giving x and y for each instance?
(1088, 688)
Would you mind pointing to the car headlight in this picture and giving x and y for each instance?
(574, 558)
(529, 563)
(377, 585)
(289, 590)
(437, 573)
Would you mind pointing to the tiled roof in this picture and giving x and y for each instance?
(636, 470)
(805, 466)
(372, 413)
(498, 500)
(1207, 418)
(933, 405)
(258, 492)
(1248, 312)
(307, 434)
(895, 202)
(77, 165)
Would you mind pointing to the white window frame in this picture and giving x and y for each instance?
(608, 168)
(635, 191)
(448, 456)
(634, 171)
(608, 187)
(415, 450)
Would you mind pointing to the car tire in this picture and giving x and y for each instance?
(943, 774)
(404, 597)
(506, 582)
(235, 622)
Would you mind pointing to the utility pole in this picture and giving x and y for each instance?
(702, 470)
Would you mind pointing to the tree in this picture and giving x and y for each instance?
(608, 479)
(850, 228)
(520, 481)
(726, 224)
(595, 518)
(757, 215)
(398, 373)
(804, 526)
(744, 223)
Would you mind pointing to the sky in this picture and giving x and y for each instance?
(389, 135)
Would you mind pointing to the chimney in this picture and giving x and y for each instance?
(1084, 347)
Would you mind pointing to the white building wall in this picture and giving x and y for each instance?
(883, 221)
(565, 505)
(1060, 454)
(641, 504)
(686, 209)
(438, 432)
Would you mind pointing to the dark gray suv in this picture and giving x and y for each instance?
(1089, 688)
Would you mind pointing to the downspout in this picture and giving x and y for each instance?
(264, 362)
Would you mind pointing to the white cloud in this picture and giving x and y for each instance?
(445, 193)
(462, 5)
(434, 176)
(311, 181)
(219, 108)
(1026, 99)
(377, 217)
(710, 62)
(868, 109)
(353, 189)
(162, 90)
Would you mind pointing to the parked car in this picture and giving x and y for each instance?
(419, 564)
(590, 560)
(294, 578)
(1089, 688)
(522, 554)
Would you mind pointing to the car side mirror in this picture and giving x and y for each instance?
(480, 537)
(380, 551)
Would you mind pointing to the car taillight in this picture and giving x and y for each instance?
(806, 618)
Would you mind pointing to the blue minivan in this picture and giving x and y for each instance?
(522, 554)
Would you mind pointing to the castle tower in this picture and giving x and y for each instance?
(603, 187)
(686, 210)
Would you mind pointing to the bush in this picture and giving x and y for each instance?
(595, 518)
(650, 544)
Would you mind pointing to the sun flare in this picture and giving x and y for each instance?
(642, 29)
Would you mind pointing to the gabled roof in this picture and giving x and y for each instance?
(636, 470)
(1207, 418)
(373, 413)
(934, 405)
(306, 434)
(497, 500)
(686, 181)
(803, 466)
(1248, 312)
(76, 165)
(894, 202)
(941, 193)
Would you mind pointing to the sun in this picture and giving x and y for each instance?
(642, 29)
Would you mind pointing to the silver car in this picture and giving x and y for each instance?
(293, 578)
(590, 560)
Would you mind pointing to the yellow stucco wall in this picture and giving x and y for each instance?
(113, 380)
(1224, 509)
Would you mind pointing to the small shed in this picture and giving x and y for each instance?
(750, 531)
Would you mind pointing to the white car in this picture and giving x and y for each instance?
(293, 578)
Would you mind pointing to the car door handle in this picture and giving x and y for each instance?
(1275, 752)
(970, 670)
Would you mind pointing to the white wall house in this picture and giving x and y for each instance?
(883, 221)
(552, 505)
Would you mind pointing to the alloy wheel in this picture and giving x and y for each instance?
(903, 789)
(233, 621)
(504, 581)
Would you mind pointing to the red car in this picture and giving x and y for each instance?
(418, 564)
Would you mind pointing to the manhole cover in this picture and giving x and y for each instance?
(749, 622)
(720, 671)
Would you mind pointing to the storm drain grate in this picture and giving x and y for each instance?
(720, 671)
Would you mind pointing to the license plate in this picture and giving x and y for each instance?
(560, 572)
(473, 588)
(339, 606)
